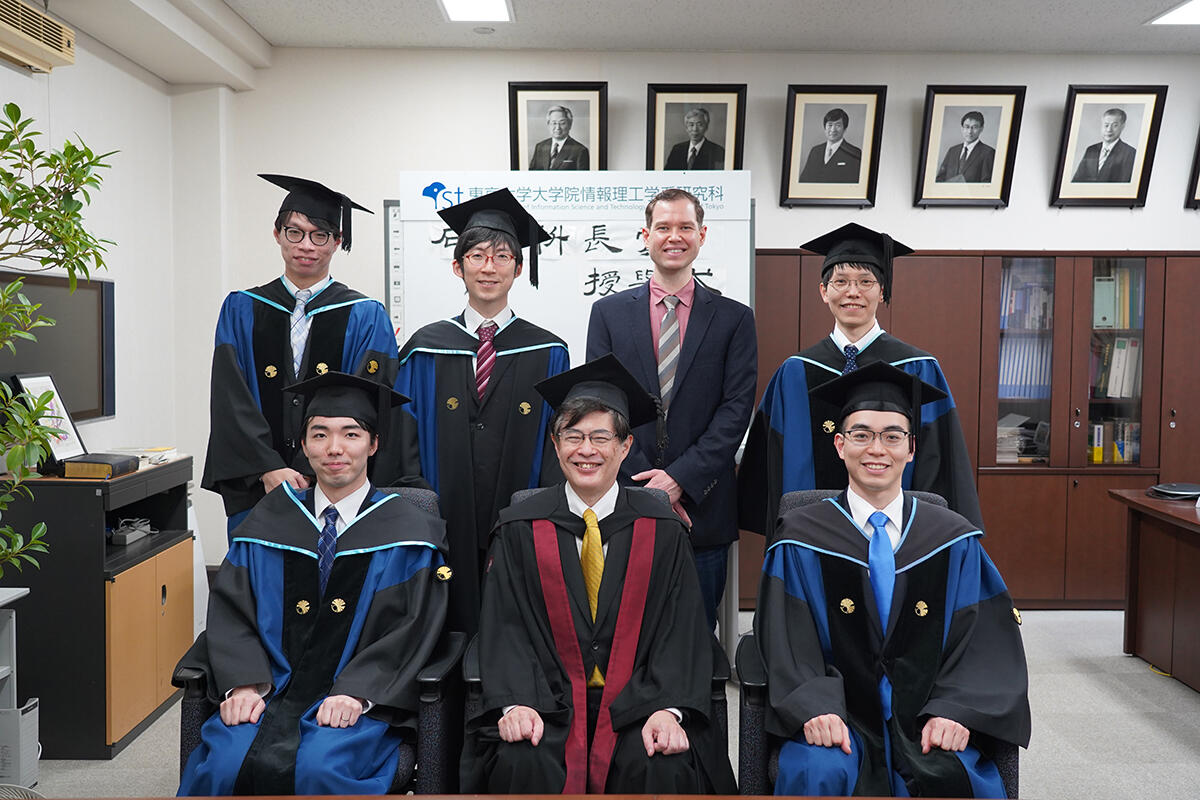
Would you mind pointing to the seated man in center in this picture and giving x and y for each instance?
(892, 647)
(595, 658)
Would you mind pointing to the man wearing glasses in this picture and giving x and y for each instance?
(787, 449)
(271, 337)
(482, 427)
(892, 647)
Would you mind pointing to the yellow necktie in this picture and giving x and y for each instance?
(591, 558)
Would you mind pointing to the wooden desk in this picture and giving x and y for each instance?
(1162, 593)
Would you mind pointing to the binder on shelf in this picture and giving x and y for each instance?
(1133, 365)
(1104, 302)
(1116, 375)
(1096, 441)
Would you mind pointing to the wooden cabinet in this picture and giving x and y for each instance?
(1179, 440)
(104, 624)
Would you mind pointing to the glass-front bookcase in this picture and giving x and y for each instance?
(1025, 365)
(1114, 416)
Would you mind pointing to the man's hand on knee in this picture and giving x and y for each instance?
(339, 711)
(944, 733)
(828, 730)
(521, 722)
(244, 704)
(662, 733)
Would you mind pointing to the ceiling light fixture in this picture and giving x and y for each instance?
(1186, 14)
(477, 10)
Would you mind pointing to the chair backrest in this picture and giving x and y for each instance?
(804, 497)
(524, 494)
(425, 499)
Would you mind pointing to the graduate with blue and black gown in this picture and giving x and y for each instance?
(893, 651)
(789, 444)
(328, 603)
(481, 426)
(273, 336)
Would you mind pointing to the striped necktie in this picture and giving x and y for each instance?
(591, 558)
(668, 351)
(300, 326)
(326, 546)
(485, 357)
(851, 358)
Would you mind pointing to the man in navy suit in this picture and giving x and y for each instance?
(705, 378)
(697, 152)
(1109, 160)
(560, 151)
(971, 161)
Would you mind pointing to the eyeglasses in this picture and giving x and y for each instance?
(575, 438)
(296, 236)
(499, 259)
(842, 284)
(861, 437)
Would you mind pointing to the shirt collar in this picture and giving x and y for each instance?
(472, 319)
(347, 507)
(698, 144)
(316, 288)
(861, 510)
(841, 340)
(604, 506)
(832, 148)
(967, 148)
(685, 295)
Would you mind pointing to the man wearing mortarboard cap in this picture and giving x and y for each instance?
(483, 429)
(789, 446)
(892, 646)
(328, 603)
(595, 658)
(270, 337)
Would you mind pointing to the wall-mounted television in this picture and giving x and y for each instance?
(79, 351)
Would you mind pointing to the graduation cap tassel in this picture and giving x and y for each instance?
(533, 253)
(346, 227)
(887, 260)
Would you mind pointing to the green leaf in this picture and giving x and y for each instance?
(13, 112)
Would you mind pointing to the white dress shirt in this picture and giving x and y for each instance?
(472, 319)
(841, 340)
(861, 510)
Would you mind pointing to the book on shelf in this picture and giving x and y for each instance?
(1131, 386)
(1100, 385)
(1116, 374)
(1104, 301)
(1096, 443)
(99, 465)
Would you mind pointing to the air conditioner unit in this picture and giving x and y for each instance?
(34, 39)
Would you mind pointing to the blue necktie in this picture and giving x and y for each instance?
(882, 562)
(326, 545)
(851, 358)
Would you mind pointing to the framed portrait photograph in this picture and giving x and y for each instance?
(1193, 193)
(695, 125)
(831, 145)
(1107, 148)
(968, 145)
(558, 125)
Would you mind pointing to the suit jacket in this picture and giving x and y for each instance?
(710, 156)
(844, 167)
(572, 155)
(1118, 167)
(712, 402)
(978, 168)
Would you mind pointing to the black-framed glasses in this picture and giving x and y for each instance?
(842, 284)
(861, 437)
(575, 438)
(499, 259)
(296, 236)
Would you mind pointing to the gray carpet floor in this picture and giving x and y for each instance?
(1104, 726)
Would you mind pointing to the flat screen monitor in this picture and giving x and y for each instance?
(78, 351)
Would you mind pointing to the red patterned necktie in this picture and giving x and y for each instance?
(485, 357)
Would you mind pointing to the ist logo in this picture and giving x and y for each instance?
(441, 196)
(432, 191)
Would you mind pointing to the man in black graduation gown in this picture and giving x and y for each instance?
(482, 428)
(328, 603)
(270, 337)
(789, 444)
(595, 659)
(893, 653)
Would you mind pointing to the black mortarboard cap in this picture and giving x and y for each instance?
(316, 201)
(854, 243)
(500, 211)
(605, 380)
(336, 394)
(878, 387)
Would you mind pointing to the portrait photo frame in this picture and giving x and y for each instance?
(954, 169)
(1095, 171)
(670, 106)
(849, 175)
(1193, 193)
(530, 141)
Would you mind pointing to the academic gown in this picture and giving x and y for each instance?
(366, 637)
(255, 421)
(537, 641)
(791, 437)
(952, 649)
(474, 453)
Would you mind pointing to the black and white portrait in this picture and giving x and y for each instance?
(831, 145)
(695, 126)
(829, 133)
(557, 126)
(972, 156)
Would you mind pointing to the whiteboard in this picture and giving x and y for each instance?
(595, 219)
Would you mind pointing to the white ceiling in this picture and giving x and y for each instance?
(1021, 26)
